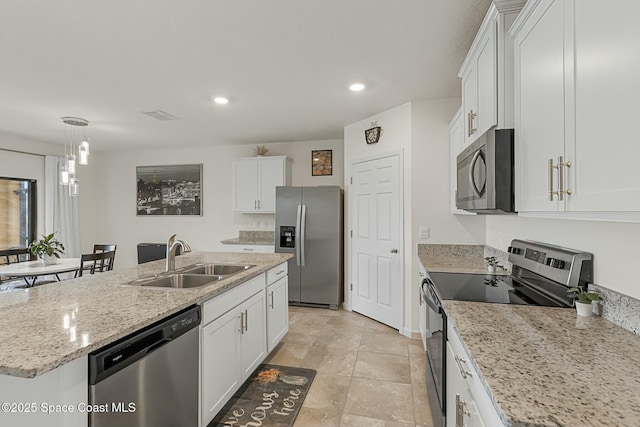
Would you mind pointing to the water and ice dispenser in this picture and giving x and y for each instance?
(287, 236)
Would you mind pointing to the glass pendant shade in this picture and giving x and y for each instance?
(64, 175)
(83, 153)
(71, 163)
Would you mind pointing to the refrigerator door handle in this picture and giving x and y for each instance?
(298, 234)
(303, 232)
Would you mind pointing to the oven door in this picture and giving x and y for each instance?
(436, 347)
(472, 178)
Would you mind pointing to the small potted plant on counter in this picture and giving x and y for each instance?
(48, 249)
(492, 263)
(583, 300)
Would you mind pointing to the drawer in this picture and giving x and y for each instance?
(277, 272)
(269, 249)
(217, 306)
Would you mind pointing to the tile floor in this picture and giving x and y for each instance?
(368, 374)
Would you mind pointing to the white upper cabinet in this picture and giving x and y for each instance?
(254, 183)
(456, 144)
(575, 90)
(487, 74)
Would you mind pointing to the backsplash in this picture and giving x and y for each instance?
(256, 236)
(620, 309)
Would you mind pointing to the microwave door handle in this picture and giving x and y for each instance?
(472, 181)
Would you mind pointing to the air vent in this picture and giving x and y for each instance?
(160, 115)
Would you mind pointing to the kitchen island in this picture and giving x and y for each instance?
(48, 331)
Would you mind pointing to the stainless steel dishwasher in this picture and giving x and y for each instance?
(149, 378)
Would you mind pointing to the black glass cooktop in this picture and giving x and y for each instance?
(490, 288)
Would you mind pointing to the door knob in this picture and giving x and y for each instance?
(394, 251)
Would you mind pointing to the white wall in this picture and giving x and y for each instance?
(431, 189)
(614, 244)
(396, 136)
(419, 129)
(116, 196)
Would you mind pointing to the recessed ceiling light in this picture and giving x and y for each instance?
(221, 100)
(356, 87)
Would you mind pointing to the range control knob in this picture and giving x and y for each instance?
(513, 250)
(555, 263)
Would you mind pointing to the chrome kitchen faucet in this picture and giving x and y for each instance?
(172, 246)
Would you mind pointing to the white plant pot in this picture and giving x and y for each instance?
(583, 309)
(49, 259)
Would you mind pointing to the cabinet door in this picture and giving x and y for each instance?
(470, 106)
(456, 386)
(456, 145)
(277, 312)
(540, 106)
(254, 334)
(270, 175)
(605, 175)
(221, 370)
(245, 185)
(487, 75)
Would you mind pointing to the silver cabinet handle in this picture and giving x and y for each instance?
(279, 272)
(550, 185)
(394, 251)
(561, 191)
(470, 116)
(248, 249)
(246, 320)
(459, 362)
(241, 317)
(271, 299)
(460, 411)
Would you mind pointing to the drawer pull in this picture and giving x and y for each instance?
(280, 272)
(459, 361)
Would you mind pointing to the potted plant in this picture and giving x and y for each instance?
(583, 300)
(48, 249)
(492, 263)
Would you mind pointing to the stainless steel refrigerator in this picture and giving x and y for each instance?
(309, 225)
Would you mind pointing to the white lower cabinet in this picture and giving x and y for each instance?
(232, 345)
(239, 328)
(277, 312)
(266, 249)
(468, 403)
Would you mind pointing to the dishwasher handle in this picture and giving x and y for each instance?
(122, 353)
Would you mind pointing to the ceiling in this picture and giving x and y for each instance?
(285, 65)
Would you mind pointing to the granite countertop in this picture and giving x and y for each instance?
(257, 237)
(47, 326)
(545, 367)
(455, 259)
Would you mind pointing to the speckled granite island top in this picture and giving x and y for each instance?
(546, 367)
(44, 327)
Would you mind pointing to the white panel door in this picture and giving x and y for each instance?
(376, 222)
(245, 185)
(540, 106)
(605, 175)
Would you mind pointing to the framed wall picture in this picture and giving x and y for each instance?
(169, 190)
(321, 162)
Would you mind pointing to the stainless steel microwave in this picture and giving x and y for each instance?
(485, 174)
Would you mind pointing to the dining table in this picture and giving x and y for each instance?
(34, 269)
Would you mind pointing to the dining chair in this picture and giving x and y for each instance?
(100, 248)
(12, 256)
(96, 262)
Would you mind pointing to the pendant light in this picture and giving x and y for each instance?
(68, 167)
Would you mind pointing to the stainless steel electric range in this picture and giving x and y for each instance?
(541, 276)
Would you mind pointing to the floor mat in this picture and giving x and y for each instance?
(271, 397)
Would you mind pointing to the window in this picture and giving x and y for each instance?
(17, 212)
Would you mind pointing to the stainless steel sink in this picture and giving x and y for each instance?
(216, 269)
(179, 280)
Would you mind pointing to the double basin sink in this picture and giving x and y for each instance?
(192, 276)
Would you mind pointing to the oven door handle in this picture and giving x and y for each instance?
(426, 298)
